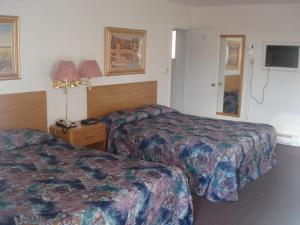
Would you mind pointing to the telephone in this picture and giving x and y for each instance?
(65, 124)
(90, 121)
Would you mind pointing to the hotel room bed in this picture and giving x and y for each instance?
(219, 157)
(46, 181)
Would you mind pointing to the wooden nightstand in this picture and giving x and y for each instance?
(93, 136)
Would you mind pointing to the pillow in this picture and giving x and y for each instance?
(121, 117)
(127, 116)
(155, 110)
(18, 138)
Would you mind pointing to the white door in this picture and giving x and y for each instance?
(178, 70)
(221, 76)
(201, 72)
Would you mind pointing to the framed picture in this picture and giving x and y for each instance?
(9, 48)
(233, 55)
(125, 51)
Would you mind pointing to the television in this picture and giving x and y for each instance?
(282, 57)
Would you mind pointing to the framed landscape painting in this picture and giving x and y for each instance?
(233, 55)
(9, 48)
(125, 51)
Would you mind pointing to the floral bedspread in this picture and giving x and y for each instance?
(219, 157)
(45, 181)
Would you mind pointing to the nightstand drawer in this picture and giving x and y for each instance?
(89, 137)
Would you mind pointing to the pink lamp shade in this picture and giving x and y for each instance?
(89, 69)
(66, 71)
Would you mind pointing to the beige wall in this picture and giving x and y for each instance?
(74, 30)
(260, 23)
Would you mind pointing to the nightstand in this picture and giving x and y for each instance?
(93, 136)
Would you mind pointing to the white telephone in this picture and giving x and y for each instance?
(65, 124)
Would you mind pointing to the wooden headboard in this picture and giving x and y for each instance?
(23, 110)
(102, 100)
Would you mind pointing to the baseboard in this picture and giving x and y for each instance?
(288, 139)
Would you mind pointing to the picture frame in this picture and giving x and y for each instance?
(125, 51)
(233, 55)
(9, 48)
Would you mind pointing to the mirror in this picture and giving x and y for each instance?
(231, 67)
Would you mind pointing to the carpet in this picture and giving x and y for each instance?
(273, 199)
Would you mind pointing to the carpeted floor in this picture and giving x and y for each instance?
(273, 199)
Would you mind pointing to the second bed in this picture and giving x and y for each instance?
(219, 157)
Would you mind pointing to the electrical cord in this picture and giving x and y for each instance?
(261, 101)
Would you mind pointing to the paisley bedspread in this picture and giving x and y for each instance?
(45, 181)
(219, 157)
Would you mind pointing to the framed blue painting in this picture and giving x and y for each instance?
(9, 48)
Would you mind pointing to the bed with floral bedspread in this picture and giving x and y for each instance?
(219, 157)
(45, 181)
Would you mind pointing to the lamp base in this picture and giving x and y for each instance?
(64, 84)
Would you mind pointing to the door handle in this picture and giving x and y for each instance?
(212, 84)
(220, 83)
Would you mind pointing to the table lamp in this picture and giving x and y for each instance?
(66, 76)
(89, 69)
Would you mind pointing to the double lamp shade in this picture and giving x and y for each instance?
(66, 74)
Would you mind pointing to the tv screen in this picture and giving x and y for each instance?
(282, 56)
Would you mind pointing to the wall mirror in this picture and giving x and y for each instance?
(230, 79)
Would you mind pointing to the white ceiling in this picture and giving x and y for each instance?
(231, 2)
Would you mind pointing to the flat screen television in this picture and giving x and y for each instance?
(282, 57)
